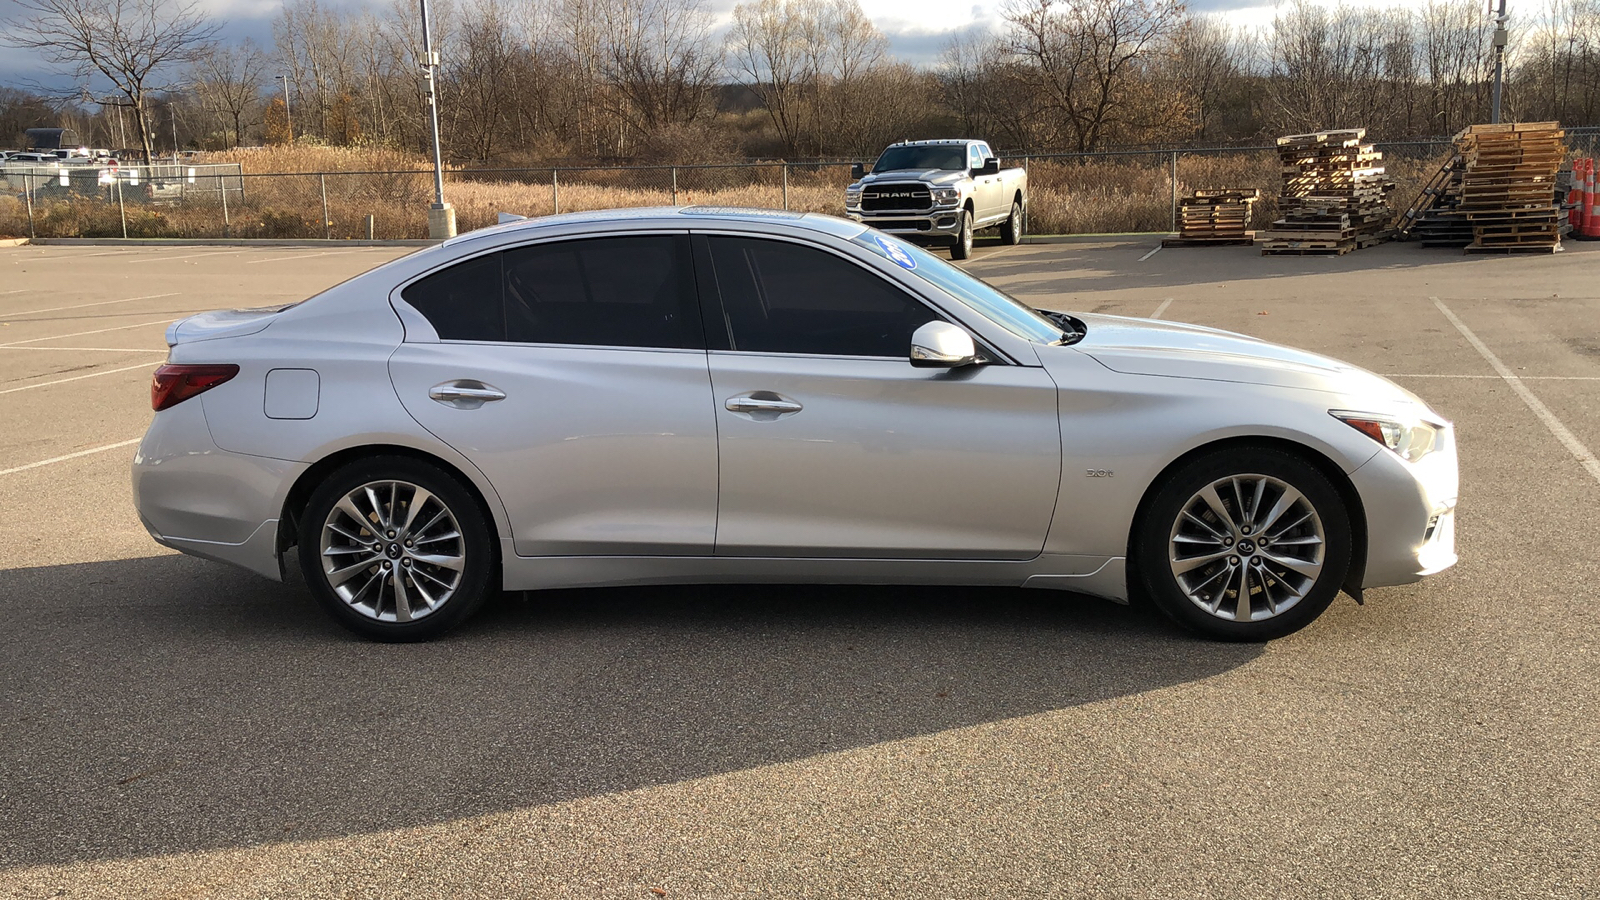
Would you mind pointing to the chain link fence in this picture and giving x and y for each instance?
(1069, 193)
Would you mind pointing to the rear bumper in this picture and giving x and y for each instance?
(1410, 509)
(204, 501)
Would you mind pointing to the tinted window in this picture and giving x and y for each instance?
(620, 292)
(786, 298)
(463, 301)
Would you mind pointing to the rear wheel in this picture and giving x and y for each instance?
(396, 549)
(962, 248)
(1011, 229)
(1244, 545)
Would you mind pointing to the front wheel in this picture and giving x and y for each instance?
(1243, 545)
(1011, 229)
(962, 248)
(396, 549)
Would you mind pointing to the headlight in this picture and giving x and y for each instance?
(946, 196)
(852, 195)
(1411, 438)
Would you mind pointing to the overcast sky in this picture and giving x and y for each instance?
(917, 29)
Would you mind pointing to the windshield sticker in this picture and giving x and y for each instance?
(895, 252)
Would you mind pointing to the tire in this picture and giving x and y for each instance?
(1011, 229)
(1190, 558)
(433, 573)
(962, 248)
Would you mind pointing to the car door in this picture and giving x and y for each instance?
(573, 373)
(832, 445)
(990, 192)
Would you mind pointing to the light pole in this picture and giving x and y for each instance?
(1500, 38)
(441, 217)
(288, 120)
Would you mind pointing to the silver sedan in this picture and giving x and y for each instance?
(714, 395)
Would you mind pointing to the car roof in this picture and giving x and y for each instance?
(671, 216)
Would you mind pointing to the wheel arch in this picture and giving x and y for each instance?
(294, 503)
(1318, 460)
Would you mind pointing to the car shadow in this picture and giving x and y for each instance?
(164, 704)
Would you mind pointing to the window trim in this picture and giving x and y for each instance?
(413, 318)
(702, 245)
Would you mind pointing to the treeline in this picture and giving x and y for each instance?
(575, 81)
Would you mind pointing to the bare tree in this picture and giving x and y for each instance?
(227, 81)
(772, 50)
(133, 44)
(1088, 62)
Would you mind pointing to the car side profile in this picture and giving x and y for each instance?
(699, 395)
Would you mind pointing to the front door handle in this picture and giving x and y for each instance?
(762, 406)
(465, 393)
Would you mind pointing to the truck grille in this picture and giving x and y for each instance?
(905, 197)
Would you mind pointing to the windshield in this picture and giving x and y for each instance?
(949, 156)
(1004, 310)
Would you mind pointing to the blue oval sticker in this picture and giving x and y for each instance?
(895, 252)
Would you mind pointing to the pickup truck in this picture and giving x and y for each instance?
(939, 193)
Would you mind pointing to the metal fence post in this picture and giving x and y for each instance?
(227, 227)
(327, 226)
(674, 185)
(122, 210)
(555, 192)
(372, 224)
(785, 186)
(1174, 225)
(29, 194)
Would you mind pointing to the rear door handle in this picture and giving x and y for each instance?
(465, 393)
(762, 405)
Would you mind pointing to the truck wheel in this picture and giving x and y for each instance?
(962, 248)
(1011, 230)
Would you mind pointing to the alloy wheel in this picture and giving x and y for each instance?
(392, 551)
(1246, 548)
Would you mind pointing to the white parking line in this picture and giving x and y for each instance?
(17, 291)
(253, 262)
(1523, 377)
(56, 459)
(187, 256)
(29, 387)
(96, 303)
(1151, 253)
(1162, 308)
(57, 337)
(1574, 446)
(88, 349)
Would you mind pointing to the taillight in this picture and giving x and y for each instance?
(174, 384)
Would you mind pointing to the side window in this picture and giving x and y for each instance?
(974, 156)
(779, 297)
(463, 301)
(618, 292)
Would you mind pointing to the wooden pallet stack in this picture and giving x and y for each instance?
(1508, 186)
(1334, 196)
(1215, 217)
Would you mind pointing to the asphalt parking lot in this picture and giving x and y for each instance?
(173, 728)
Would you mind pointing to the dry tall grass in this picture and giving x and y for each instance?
(1097, 195)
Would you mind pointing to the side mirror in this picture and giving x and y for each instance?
(857, 170)
(991, 166)
(941, 345)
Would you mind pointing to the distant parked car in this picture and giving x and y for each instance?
(709, 395)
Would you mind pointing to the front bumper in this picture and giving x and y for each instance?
(939, 225)
(201, 500)
(1410, 507)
